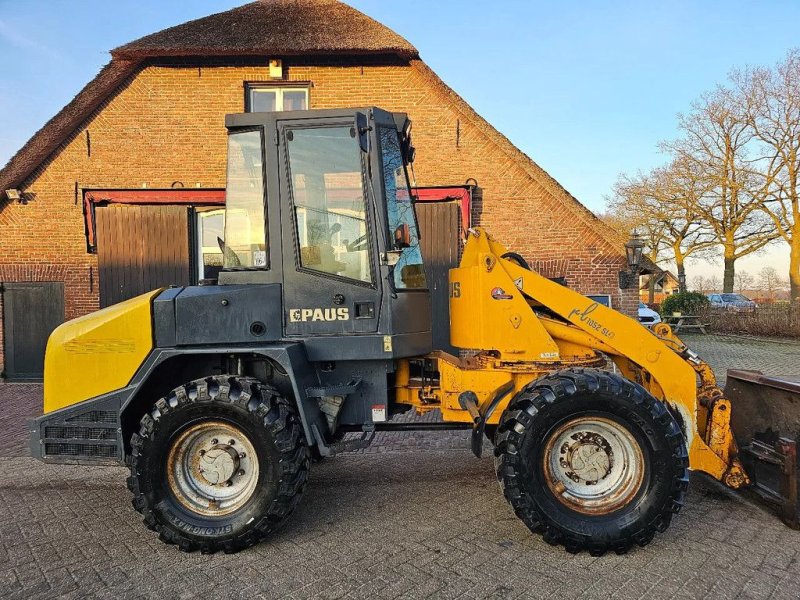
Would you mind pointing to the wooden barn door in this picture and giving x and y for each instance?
(439, 224)
(141, 248)
(30, 313)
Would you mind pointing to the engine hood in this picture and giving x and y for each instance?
(97, 353)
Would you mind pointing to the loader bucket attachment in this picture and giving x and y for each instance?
(765, 419)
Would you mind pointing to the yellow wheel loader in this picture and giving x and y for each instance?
(317, 333)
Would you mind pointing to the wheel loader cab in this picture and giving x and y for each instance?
(319, 203)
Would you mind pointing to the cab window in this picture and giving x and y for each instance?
(327, 189)
(409, 272)
(245, 244)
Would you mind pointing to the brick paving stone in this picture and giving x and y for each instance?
(414, 516)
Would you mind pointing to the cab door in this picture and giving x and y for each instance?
(331, 275)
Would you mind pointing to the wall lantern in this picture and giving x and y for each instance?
(14, 194)
(633, 253)
(276, 68)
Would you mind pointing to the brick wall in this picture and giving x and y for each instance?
(166, 124)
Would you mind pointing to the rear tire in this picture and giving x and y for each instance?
(591, 460)
(218, 464)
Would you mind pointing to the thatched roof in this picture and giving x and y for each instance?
(267, 28)
(274, 28)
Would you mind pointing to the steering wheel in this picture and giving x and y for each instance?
(357, 244)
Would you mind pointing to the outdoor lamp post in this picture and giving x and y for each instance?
(633, 253)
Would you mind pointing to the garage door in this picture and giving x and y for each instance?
(141, 248)
(30, 313)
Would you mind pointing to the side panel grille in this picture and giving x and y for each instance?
(95, 416)
(81, 450)
(80, 433)
(88, 436)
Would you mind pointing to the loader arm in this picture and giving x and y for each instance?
(527, 325)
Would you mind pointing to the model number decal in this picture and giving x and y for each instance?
(584, 317)
(301, 315)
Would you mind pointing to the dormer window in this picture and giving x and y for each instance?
(272, 96)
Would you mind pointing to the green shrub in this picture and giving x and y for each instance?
(686, 303)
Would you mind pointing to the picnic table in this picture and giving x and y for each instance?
(686, 322)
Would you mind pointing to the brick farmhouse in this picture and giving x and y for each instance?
(112, 194)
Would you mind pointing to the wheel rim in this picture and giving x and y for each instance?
(212, 468)
(593, 465)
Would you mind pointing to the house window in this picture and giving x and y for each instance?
(267, 97)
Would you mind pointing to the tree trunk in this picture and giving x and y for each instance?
(727, 280)
(794, 270)
(681, 274)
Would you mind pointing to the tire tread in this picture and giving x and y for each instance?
(277, 414)
(558, 387)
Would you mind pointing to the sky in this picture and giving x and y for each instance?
(587, 89)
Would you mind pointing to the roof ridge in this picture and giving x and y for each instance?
(273, 27)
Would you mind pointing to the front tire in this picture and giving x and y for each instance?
(591, 460)
(218, 464)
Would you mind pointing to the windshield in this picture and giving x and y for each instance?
(245, 242)
(734, 298)
(409, 272)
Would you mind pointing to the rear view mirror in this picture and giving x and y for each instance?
(362, 131)
(402, 236)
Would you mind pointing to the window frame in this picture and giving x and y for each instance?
(196, 242)
(288, 126)
(267, 241)
(389, 233)
(281, 86)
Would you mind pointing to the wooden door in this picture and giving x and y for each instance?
(141, 248)
(439, 224)
(30, 313)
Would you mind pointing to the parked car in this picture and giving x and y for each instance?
(732, 302)
(647, 316)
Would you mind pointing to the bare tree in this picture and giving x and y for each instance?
(771, 98)
(683, 190)
(770, 282)
(664, 205)
(713, 284)
(716, 134)
(699, 284)
(744, 281)
(632, 209)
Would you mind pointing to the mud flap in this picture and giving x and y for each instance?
(765, 419)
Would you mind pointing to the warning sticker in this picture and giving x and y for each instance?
(378, 412)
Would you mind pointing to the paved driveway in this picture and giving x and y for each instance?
(416, 516)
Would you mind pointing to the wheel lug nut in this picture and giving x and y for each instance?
(214, 442)
(241, 472)
(228, 483)
(231, 442)
(242, 455)
(202, 452)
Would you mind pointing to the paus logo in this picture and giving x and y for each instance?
(301, 315)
